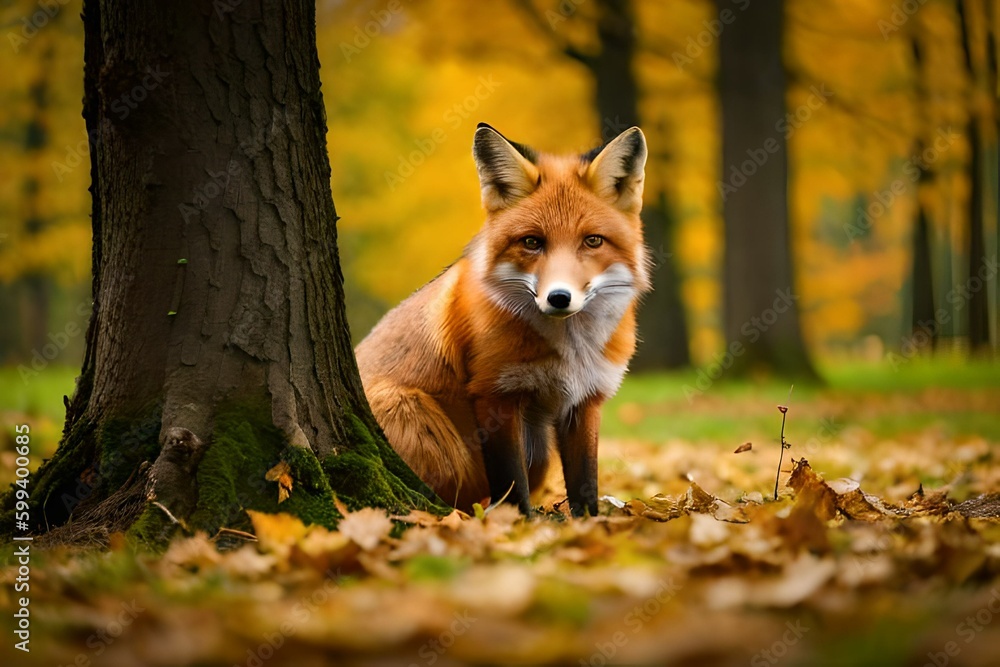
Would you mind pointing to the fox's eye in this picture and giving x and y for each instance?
(532, 242)
(593, 241)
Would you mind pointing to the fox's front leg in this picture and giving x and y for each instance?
(500, 434)
(577, 436)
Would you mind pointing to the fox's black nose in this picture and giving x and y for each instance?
(559, 298)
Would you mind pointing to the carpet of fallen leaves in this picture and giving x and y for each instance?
(692, 561)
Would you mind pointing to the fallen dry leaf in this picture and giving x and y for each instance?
(696, 500)
(277, 533)
(192, 552)
(681, 574)
(282, 474)
(248, 562)
(366, 527)
(454, 519)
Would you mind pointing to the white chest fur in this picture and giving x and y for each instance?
(578, 368)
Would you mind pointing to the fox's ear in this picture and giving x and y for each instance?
(507, 172)
(617, 170)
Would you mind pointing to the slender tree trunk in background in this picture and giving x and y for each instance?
(36, 292)
(218, 316)
(662, 320)
(993, 173)
(981, 144)
(978, 306)
(922, 283)
(34, 314)
(761, 312)
(617, 94)
(922, 314)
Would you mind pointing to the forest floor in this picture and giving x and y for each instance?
(870, 556)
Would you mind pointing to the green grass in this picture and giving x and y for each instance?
(38, 402)
(913, 376)
(661, 406)
(37, 396)
(728, 411)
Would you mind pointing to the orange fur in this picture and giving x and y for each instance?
(477, 374)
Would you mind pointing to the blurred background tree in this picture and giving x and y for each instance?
(44, 202)
(907, 134)
(761, 313)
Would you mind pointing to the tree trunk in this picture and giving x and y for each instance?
(979, 316)
(218, 310)
(662, 320)
(922, 317)
(981, 143)
(923, 321)
(36, 293)
(761, 311)
(993, 172)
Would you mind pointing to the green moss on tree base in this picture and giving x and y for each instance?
(363, 481)
(71, 479)
(60, 483)
(231, 477)
(402, 483)
(93, 461)
(312, 498)
(153, 530)
(371, 474)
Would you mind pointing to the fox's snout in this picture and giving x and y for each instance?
(559, 300)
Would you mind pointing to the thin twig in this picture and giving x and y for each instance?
(781, 456)
(784, 445)
(238, 533)
(497, 503)
(168, 513)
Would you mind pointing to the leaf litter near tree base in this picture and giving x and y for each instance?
(673, 569)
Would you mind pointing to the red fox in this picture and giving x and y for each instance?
(517, 344)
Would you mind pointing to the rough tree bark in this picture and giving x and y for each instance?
(218, 299)
(760, 313)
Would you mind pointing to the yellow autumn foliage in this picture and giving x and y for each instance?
(406, 83)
